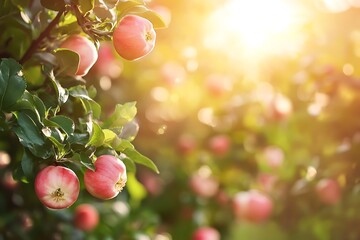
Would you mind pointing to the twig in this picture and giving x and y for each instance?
(35, 44)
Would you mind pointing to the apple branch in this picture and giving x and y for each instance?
(35, 44)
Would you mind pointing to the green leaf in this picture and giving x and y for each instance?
(12, 85)
(122, 115)
(130, 165)
(27, 165)
(97, 137)
(55, 5)
(64, 123)
(109, 136)
(137, 157)
(68, 61)
(33, 103)
(154, 18)
(86, 5)
(135, 189)
(120, 145)
(89, 104)
(30, 136)
(62, 93)
(85, 160)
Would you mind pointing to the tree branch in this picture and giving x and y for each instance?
(35, 44)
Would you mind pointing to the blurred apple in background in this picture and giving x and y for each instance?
(219, 145)
(328, 191)
(206, 233)
(86, 217)
(252, 206)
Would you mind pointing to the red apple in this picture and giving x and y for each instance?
(206, 233)
(108, 179)
(328, 191)
(86, 50)
(252, 206)
(86, 217)
(204, 186)
(219, 145)
(57, 187)
(134, 37)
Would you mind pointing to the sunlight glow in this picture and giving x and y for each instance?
(256, 27)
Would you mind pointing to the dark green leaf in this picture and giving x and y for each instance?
(64, 123)
(153, 17)
(89, 104)
(31, 137)
(27, 165)
(137, 157)
(12, 85)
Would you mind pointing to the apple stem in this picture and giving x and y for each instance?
(35, 44)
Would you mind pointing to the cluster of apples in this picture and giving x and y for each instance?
(58, 187)
(133, 38)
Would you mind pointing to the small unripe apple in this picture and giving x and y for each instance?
(86, 217)
(204, 186)
(219, 145)
(86, 50)
(328, 191)
(108, 179)
(57, 187)
(134, 37)
(206, 233)
(252, 206)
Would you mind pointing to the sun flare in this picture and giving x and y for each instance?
(256, 27)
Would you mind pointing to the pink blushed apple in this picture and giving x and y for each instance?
(204, 186)
(252, 206)
(219, 145)
(328, 191)
(134, 37)
(57, 187)
(86, 217)
(108, 179)
(206, 233)
(86, 50)
(273, 156)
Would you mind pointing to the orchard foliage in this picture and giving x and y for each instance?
(50, 117)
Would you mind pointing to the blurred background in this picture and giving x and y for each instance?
(248, 108)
